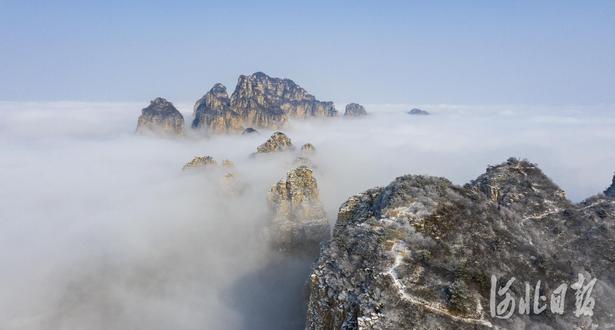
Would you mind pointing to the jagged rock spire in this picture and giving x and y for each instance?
(213, 113)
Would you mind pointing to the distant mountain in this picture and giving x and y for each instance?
(417, 111)
(259, 101)
(354, 110)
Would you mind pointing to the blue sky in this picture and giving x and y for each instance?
(456, 52)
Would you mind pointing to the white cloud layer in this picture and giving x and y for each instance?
(99, 229)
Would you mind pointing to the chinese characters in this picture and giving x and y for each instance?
(503, 304)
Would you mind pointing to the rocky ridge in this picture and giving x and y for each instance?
(420, 253)
(259, 101)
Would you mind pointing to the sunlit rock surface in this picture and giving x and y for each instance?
(263, 101)
(420, 252)
(299, 222)
(200, 162)
(160, 118)
(259, 101)
(276, 143)
(213, 114)
(354, 110)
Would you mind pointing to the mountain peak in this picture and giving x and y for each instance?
(522, 186)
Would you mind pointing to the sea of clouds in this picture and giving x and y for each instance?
(100, 229)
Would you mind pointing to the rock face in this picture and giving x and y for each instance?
(299, 222)
(276, 143)
(610, 191)
(420, 254)
(264, 101)
(354, 110)
(417, 111)
(160, 117)
(258, 101)
(213, 113)
(200, 162)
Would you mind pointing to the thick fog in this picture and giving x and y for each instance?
(100, 229)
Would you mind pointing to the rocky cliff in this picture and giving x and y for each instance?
(422, 253)
(354, 110)
(160, 117)
(213, 113)
(299, 222)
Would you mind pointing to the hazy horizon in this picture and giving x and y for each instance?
(369, 52)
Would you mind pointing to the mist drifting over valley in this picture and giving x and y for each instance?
(100, 229)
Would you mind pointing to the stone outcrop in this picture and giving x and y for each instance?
(299, 222)
(418, 112)
(213, 113)
(610, 191)
(200, 162)
(354, 110)
(276, 143)
(420, 254)
(161, 118)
